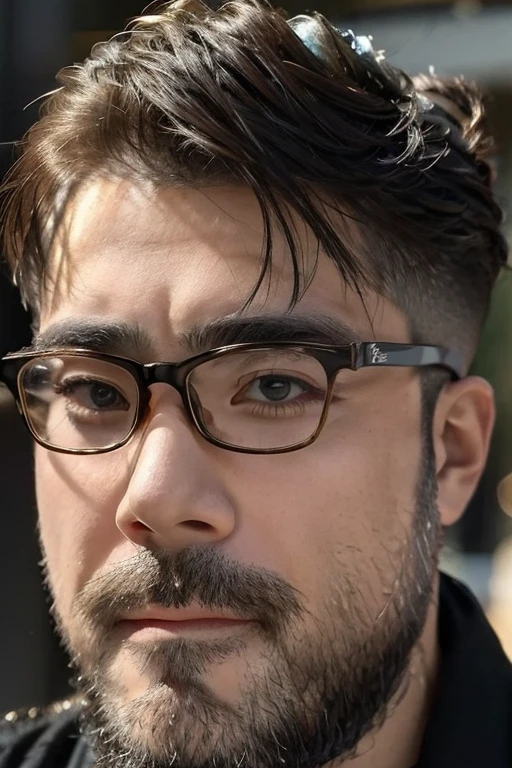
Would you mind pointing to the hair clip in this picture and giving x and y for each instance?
(309, 30)
(360, 44)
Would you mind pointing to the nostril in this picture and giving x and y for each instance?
(196, 525)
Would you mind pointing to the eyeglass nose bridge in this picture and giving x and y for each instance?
(173, 374)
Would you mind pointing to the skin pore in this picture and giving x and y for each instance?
(339, 540)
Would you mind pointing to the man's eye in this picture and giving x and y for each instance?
(275, 389)
(94, 395)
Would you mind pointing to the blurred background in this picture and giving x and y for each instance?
(38, 37)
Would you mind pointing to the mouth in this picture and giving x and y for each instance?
(192, 621)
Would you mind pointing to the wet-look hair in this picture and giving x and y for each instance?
(191, 96)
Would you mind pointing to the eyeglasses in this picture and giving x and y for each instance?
(249, 398)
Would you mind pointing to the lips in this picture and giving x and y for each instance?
(188, 613)
(154, 620)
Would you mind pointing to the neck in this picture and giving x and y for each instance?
(397, 742)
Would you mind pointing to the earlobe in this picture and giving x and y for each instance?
(462, 429)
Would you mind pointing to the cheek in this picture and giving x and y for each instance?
(77, 497)
(340, 509)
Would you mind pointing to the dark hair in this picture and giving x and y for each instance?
(193, 96)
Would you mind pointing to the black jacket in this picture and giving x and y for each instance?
(470, 725)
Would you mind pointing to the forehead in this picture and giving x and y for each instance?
(170, 259)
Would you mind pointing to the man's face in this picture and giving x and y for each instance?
(327, 554)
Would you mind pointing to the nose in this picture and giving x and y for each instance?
(175, 496)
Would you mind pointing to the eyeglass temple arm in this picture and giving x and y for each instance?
(389, 354)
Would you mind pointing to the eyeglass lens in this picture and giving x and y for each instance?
(79, 403)
(260, 399)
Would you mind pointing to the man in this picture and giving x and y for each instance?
(258, 260)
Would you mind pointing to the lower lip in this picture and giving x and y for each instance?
(153, 628)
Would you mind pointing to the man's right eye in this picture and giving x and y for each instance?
(92, 394)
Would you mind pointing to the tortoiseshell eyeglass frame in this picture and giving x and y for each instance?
(332, 358)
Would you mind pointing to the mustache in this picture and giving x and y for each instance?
(175, 580)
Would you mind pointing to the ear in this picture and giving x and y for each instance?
(462, 429)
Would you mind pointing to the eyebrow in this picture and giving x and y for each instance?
(124, 339)
(239, 329)
(96, 334)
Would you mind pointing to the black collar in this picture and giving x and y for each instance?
(470, 724)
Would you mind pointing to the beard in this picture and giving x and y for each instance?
(321, 682)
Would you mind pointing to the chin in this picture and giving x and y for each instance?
(163, 720)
